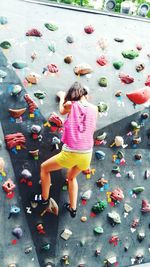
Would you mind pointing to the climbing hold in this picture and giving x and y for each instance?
(147, 174)
(120, 154)
(70, 39)
(51, 26)
(102, 82)
(82, 243)
(83, 219)
(55, 120)
(45, 247)
(99, 206)
(16, 139)
(26, 174)
(68, 59)
(125, 78)
(31, 103)
(56, 141)
(66, 234)
(140, 236)
(86, 195)
(139, 47)
(52, 68)
(100, 155)
(118, 94)
(114, 218)
(138, 156)
(5, 45)
(33, 78)
(40, 228)
(135, 125)
(39, 94)
(119, 141)
(139, 96)
(36, 128)
(119, 40)
(34, 153)
(140, 67)
(16, 90)
(52, 208)
(14, 210)
(102, 107)
(101, 182)
(145, 206)
(98, 230)
(147, 83)
(34, 32)
(136, 140)
(144, 116)
(102, 61)
(116, 169)
(19, 65)
(16, 113)
(12, 265)
(114, 240)
(65, 259)
(117, 194)
(138, 189)
(33, 55)
(3, 20)
(102, 43)
(8, 186)
(102, 136)
(52, 47)
(97, 252)
(3, 74)
(118, 64)
(135, 223)
(127, 208)
(82, 69)
(17, 232)
(130, 54)
(89, 29)
(28, 250)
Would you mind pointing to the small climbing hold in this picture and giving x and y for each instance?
(135, 223)
(82, 69)
(86, 195)
(127, 208)
(138, 156)
(114, 240)
(26, 174)
(99, 206)
(89, 29)
(34, 32)
(16, 113)
(28, 250)
(66, 234)
(102, 61)
(117, 194)
(125, 78)
(135, 125)
(31, 103)
(147, 174)
(118, 94)
(130, 54)
(65, 259)
(52, 47)
(68, 59)
(52, 68)
(36, 128)
(102, 107)
(33, 55)
(145, 206)
(33, 78)
(140, 67)
(45, 247)
(40, 228)
(3, 74)
(97, 252)
(102, 43)
(83, 219)
(140, 236)
(82, 243)
(102, 82)
(14, 210)
(12, 265)
(136, 140)
(101, 182)
(34, 153)
(114, 218)
(102, 136)
(5, 45)
(8, 186)
(39, 94)
(119, 141)
(98, 230)
(147, 83)
(70, 39)
(51, 26)
(139, 96)
(116, 169)
(118, 64)
(138, 189)
(100, 155)
(119, 40)
(120, 154)
(16, 90)
(17, 232)
(144, 116)
(3, 20)
(19, 65)
(110, 261)
(56, 141)
(139, 47)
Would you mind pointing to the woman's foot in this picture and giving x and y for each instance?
(71, 210)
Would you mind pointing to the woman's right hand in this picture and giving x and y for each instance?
(61, 94)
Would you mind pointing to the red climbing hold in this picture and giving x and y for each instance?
(139, 96)
(102, 61)
(89, 29)
(147, 83)
(52, 68)
(125, 78)
(34, 32)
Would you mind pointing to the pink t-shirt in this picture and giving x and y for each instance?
(79, 126)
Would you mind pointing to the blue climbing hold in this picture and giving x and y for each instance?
(100, 155)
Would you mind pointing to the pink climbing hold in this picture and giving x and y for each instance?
(52, 68)
(102, 61)
(117, 194)
(140, 96)
(126, 79)
(147, 83)
(34, 32)
(89, 29)
(145, 206)
(139, 47)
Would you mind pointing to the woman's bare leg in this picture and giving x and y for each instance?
(73, 186)
(47, 167)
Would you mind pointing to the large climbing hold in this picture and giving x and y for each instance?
(15, 139)
(99, 206)
(82, 69)
(31, 103)
(34, 32)
(16, 113)
(130, 54)
(5, 45)
(114, 218)
(117, 195)
(19, 64)
(139, 96)
(125, 78)
(33, 78)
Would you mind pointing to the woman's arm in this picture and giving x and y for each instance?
(63, 108)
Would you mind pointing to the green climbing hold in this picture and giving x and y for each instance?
(40, 94)
(135, 125)
(98, 230)
(130, 54)
(118, 64)
(120, 154)
(102, 82)
(5, 45)
(99, 206)
(19, 65)
(51, 47)
(102, 107)
(45, 247)
(138, 189)
(82, 243)
(116, 169)
(51, 26)
(64, 188)
(16, 90)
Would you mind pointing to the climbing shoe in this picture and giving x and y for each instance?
(71, 210)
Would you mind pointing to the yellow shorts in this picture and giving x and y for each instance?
(70, 159)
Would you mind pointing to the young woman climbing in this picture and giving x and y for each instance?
(77, 139)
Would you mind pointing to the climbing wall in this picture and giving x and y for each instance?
(112, 224)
